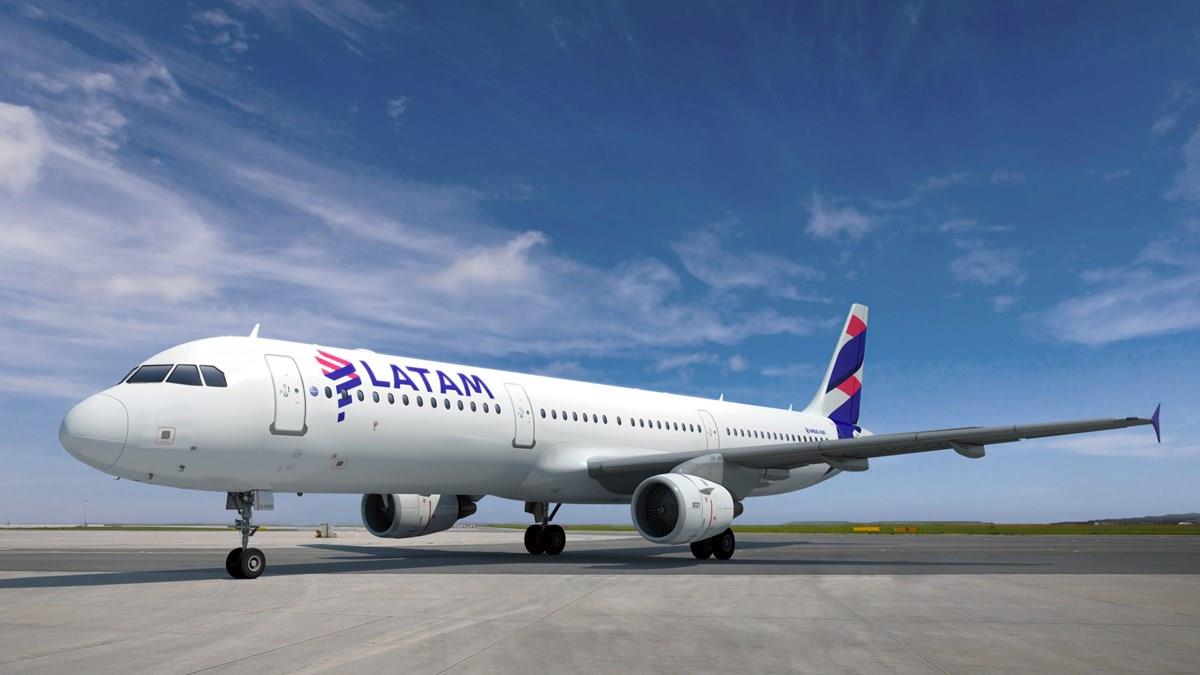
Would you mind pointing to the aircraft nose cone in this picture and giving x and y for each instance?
(94, 431)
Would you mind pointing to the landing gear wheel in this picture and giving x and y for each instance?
(534, 542)
(723, 545)
(252, 563)
(702, 549)
(233, 562)
(554, 539)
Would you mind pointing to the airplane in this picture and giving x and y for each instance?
(423, 441)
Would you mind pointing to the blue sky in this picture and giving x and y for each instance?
(660, 195)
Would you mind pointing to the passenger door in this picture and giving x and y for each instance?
(289, 396)
(712, 438)
(522, 416)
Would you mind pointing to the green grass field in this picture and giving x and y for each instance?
(928, 528)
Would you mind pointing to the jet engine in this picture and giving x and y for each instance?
(676, 508)
(402, 516)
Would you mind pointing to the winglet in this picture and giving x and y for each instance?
(1154, 423)
(254, 332)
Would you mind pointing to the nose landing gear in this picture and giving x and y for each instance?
(244, 562)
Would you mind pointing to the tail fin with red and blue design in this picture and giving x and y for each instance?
(840, 393)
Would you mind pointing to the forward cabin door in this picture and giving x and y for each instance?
(522, 416)
(289, 396)
(712, 438)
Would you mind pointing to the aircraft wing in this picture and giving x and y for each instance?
(852, 454)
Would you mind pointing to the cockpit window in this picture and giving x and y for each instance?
(149, 374)
(213, 377)
(185, 373)
(127, 374)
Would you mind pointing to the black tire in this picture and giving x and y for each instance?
(702, 549)
(554, 540)
(533, 539)
(252, 563)
(723, 545)
(233, 563)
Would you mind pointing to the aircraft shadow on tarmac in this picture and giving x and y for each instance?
(345, 558)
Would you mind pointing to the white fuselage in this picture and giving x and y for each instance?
(276, 426)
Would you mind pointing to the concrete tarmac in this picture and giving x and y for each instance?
(472, 600)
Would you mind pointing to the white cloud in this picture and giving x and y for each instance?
(981, 263)
(397, 107)
(738, 363)
(677, 361)
(936, 183)
(959, 225)
(1187, 181)
(827, 222)
(507, 266)
(1002, 303)
(213, 237)
(710, 255)
(1181, 97)
(1000, 176)
(217, 28)
(22, 147)
(352, 19)
(789, 370)
(1127, 445)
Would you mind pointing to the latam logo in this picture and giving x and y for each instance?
(341, 372)
(345, 377)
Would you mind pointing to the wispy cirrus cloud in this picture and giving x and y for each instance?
(827, 221)
(983, 263)
(1181, 97)
(211, 238)
(215, 27)
(711, 255)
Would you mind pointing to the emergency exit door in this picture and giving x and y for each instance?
(289, 396)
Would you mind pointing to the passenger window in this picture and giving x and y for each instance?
(375, 396)
(472, 406)
(361, 396)
(391, 398)
(497, 408)
(213, 377)
(147, 374)
(553, 414)
(447, 402)
(185, 373)
(543, 413)
(641, 422)
(328, 392)
(604, 418)
(420, 402)
(618, 420)
(485, 406)
(575, 417)
(404, 399)
(460, 406)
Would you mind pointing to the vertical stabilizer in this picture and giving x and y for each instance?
(840, 392)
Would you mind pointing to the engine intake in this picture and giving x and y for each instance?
(676, 508)
(403, 516)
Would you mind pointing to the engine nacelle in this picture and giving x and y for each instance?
(675, 508)
(401, 516)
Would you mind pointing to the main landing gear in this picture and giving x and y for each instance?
(544, 537)
(720, 547)
(244, 562)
